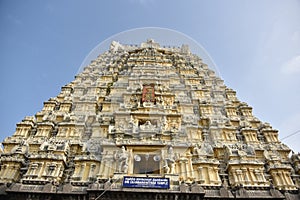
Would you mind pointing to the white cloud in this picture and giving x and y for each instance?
(291, 66)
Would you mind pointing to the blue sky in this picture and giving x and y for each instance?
(255, 44)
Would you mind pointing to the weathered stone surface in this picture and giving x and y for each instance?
(147, 111)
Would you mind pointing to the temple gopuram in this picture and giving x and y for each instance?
(146, 122)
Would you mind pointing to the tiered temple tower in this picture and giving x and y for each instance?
(146, 122)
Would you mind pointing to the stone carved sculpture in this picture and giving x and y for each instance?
(122, 158)
(134, 102)
(205, 150)
(49, 116)
(147, 126)
(103, 105)
(22, 147)
(170, 161)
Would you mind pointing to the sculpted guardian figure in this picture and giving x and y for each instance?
(122, 158)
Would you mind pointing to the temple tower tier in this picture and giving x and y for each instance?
(147, 122)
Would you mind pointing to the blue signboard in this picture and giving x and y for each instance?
(146, 182)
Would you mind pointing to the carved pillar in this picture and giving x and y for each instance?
(235, 178)
(130, 162)
(252, 175)
(288, 178)
(3, 169)
(183, 170)
(190, 170)
(86, 171)
(101, 169)
(92, 170)
(210, 174)
(81, 171)
(50, 169)
(77, 170)
(200, 171)
(58, 169)
(107, 168)
(282, 178)
(275, 178)
(262, 175)
(246, 176)
(8, 171)
(13, 172)
(240, 176)
(217, 177)
(258, 176)
(40, 169)
(279, 178)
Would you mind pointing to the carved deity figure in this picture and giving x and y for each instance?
(272, 156)
(120, 126)
(170, 162)
(133, 124)
(147, 126)
(49, 116)
(242, 154)
(244, 123)
(164, 123)
(22, 147)
(122, 158)
(134, 101)
(48, 145)
(204, 150)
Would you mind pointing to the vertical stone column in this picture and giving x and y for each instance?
(200, 171)
(9, 171)
(183, 170)
(216, 173)
(77, 170)
(288, 178)
(107, 168)
(209, 174)
(240, 176)
(101, 168)
(259, 175)
(15, 172)
(49, 169)
(3, 170)
(246, 176)
(57, 170)
(281, 177)
(254, 137)
(80, 174)
(40, 169)
(130, 161)
(190, 171)
(86, 171)
(275, 135)
(92, 170)
(252, 176)
(235, 178)
(275, 178)
(262, 175)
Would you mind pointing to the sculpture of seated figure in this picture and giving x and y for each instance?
(147, 126)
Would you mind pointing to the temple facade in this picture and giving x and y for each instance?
(146, 122)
